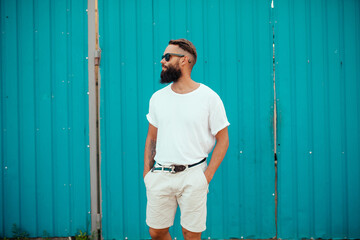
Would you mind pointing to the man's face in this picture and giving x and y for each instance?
(171, 71)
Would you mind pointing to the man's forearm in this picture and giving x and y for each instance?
(222, 144)
(216, 158)
(150, 150)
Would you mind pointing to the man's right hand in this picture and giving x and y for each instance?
(145, 172)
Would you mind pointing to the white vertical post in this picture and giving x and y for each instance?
(93, 130)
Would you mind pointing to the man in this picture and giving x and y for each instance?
(185, 118)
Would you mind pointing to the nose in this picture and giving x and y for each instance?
(163, 61)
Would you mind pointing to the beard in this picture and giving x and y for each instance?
(171, 74)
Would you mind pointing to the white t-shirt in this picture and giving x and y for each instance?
(186, 123)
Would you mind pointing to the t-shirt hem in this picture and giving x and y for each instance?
(151, 121)
(220, 128)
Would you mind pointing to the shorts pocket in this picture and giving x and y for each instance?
(147, 176)
(204, 177)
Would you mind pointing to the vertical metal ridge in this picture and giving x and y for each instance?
(123, 102)
(257, 109)
(51, 37)
(336, 157)
(294, 126)
(240, 110)
(138, 98)
(2, 96)
(222, 32)
(18, 111)
(293, 116)
(343, 120)
(327, 109)
(102, 8)
(3, 118)
(357, 48)
(187, 18)
(153, 39)
(2, 114)
(131, 68)
(238, 146)
(227, 167)
(221, 57)
(62, 118)
(85, 100)
(69, 118)
(105, 127)
(171, 33)
(311, 117)
(36, 115)
(206, 45)
(122, 81)
(203, 39)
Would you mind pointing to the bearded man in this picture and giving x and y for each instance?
(186, 119)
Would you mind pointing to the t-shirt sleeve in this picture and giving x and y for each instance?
(151, 116)
(218, 119)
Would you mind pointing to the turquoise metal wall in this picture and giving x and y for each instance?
(44, 184)
(234, 44)
(317, 57)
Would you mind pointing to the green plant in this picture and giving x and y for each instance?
(46, 235)
(82, 236)
(92, 236)
(18, 233)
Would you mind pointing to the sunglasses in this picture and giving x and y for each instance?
(167, 56)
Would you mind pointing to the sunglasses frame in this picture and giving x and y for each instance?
(167, 56)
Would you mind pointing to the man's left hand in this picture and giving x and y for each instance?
(208, 176)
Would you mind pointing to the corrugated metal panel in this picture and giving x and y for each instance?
(234, 43)
(44, 118)
(318, 89)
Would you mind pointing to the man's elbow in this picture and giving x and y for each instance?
(226, 142)
(223, 138)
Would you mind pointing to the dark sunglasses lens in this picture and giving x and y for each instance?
(166, 56)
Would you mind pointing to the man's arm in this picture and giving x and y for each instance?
(222, 144)
(150, 149)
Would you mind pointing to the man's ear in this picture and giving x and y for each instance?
(183, 60)
(187, 59)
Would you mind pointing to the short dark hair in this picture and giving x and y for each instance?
(185, 45)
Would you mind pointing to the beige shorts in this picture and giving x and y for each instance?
(165, 191)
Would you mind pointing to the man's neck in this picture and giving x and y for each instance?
(184, 85)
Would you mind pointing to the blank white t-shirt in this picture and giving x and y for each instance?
(187, 124)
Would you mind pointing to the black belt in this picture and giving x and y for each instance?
(176, 168)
